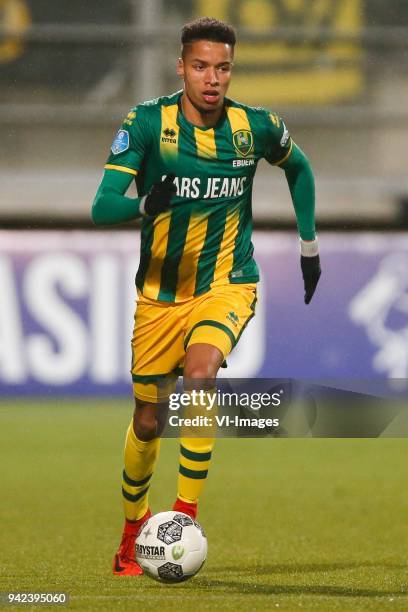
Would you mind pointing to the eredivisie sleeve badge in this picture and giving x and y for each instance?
(121, 142)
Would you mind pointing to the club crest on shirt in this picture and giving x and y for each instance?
(121, 142)
(243, 142)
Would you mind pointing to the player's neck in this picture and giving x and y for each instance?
(197, 118)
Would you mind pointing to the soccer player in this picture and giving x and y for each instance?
(193, 155)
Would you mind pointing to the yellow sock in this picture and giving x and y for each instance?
(195, 457)
(140, 460)
(195, 453)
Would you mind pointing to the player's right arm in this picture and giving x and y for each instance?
(128, 150)
(111, 205)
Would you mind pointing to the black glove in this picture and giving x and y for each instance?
(159, 197)
(311, 273)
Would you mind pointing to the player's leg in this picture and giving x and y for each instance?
(141, 452)
(214, 328)
(202, 363)
(156, 350)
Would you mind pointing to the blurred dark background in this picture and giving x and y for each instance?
(336, 70)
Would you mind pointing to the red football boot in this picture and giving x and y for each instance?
(124, 563)
(186, 507)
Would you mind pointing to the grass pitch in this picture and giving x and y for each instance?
(291, 524)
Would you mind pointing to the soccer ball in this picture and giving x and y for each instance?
(171, 547)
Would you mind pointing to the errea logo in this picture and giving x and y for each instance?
(130, 117)
(169, 136)
(233, 317)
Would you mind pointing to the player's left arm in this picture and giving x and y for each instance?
(283, 152)
(301, 184)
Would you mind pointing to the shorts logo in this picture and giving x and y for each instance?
(234, 318)
(121, 142)
(243, 142)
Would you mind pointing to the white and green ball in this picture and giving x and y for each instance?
(171, 547)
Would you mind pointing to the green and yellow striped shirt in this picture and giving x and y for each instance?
(204, 240)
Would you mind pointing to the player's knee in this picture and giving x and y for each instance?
(145, 429)
(201, 371)
(145, 425)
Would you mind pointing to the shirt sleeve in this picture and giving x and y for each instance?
(278, 142)
(130, 144)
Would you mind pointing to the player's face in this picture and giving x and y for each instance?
(206, 70)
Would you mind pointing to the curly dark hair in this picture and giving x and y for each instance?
(208, 28)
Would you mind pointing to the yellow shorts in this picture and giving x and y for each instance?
(163, 331)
